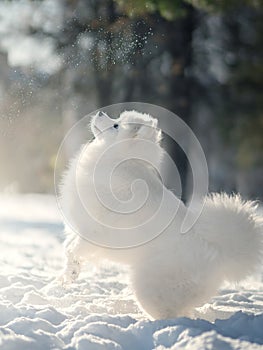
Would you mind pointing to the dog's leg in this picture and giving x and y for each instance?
(73, 262)
(72, 269)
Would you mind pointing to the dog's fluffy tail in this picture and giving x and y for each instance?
(235, 228)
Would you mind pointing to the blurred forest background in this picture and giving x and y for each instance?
(202, 59)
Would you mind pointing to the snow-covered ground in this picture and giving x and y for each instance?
(99, 310)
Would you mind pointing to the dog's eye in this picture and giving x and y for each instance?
(116, 126)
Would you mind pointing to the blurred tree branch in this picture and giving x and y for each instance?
(173, 9)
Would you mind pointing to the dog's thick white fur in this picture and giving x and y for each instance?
(174, 272)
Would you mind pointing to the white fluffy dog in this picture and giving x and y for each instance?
(107, 208)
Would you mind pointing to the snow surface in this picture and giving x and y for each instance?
(99, 311)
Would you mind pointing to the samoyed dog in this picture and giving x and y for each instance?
(117, 208)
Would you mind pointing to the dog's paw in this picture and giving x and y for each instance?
(70, 274)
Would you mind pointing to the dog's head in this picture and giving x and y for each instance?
(131, 125)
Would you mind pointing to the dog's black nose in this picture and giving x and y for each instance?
(101, 114)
